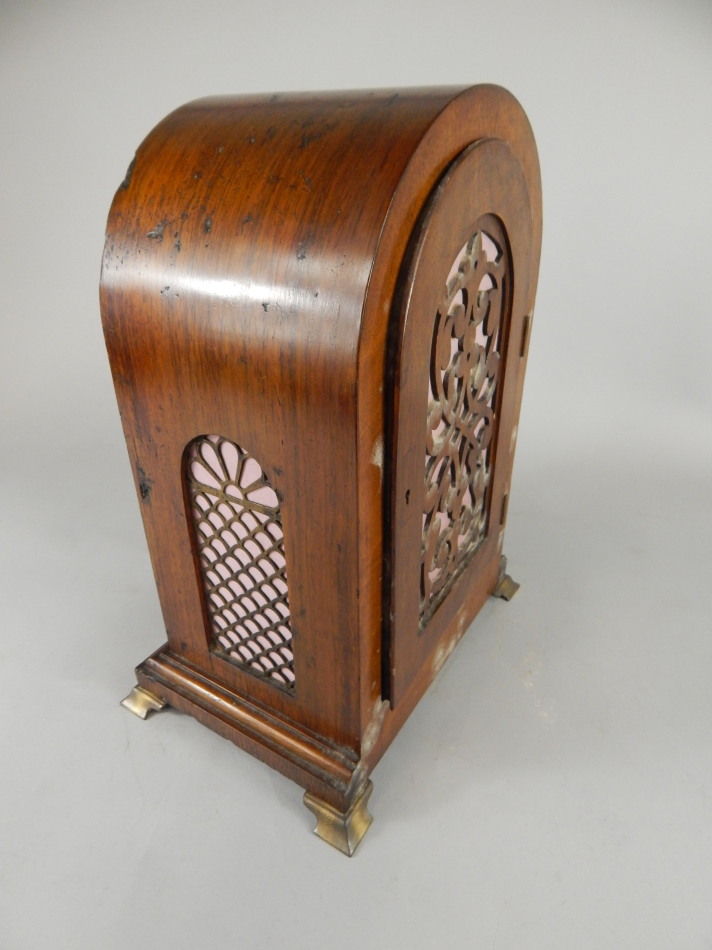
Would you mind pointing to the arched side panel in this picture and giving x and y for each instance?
(464, 385)
(239, 543)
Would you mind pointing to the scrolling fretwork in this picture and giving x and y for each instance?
(240, 548)
(465, 367)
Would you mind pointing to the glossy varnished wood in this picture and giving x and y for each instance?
(253, 258)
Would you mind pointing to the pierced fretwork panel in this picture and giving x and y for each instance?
(464, 377)
(241, 552)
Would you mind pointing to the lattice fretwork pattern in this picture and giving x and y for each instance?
(241, 551)
(464, 374)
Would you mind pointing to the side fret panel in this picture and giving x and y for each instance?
(240, 547)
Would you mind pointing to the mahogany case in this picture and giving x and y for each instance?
(317, 309)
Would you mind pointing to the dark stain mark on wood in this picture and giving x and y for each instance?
(208, 225)
(127, 177)
(144, 484)
(310, 137)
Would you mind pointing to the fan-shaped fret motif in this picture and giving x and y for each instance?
(464, 373)
(241, 550)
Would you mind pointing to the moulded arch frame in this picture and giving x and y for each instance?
(477, 114)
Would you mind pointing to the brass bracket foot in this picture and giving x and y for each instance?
(140, 702)
(506, 587)
(343, 830)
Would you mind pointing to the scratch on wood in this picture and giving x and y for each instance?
(156, 234)
(303, 245)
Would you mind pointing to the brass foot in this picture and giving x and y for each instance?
(140, 702)
(506, 587)
(343, 830)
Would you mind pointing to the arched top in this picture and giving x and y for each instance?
(284, 208)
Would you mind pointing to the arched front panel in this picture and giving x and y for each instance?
(464, 386)
(454, 401)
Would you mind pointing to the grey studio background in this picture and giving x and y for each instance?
(554, 787)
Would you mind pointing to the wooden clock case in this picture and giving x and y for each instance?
(317, 310)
